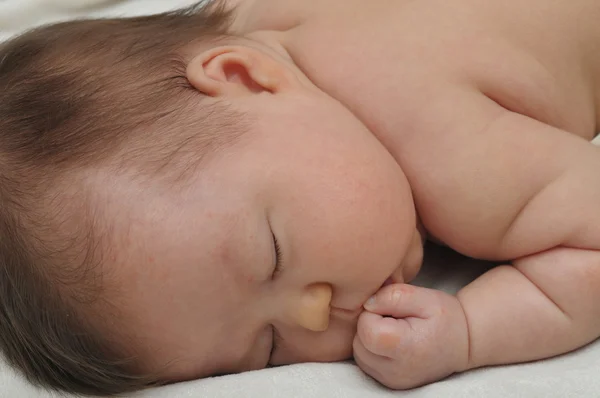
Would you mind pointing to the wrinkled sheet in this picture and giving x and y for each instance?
(573, 375)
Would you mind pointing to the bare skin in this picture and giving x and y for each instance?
(489, 108)
(479, 113)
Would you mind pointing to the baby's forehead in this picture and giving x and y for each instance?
(148, 217)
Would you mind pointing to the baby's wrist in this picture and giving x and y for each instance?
(467, 359)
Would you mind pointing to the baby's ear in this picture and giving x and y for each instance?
(237, 71)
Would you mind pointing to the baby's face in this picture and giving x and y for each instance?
(201, 288)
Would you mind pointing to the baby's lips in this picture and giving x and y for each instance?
(396, 277)
(399, 275)
(388, 281)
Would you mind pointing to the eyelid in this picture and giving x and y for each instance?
(278, 257)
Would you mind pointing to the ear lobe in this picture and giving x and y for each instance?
(237, 70)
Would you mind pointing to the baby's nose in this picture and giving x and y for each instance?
(312, 310)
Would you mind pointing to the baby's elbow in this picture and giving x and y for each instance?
(570, 277)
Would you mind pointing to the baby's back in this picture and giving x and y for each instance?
(391, 61)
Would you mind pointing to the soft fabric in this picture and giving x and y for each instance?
(572, 375)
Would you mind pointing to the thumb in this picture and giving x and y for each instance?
(403, 301)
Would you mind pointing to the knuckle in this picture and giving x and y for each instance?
(384, 341)
(400, 292)
(396, 294)
(439, 307)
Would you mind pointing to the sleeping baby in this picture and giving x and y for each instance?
(247, 184)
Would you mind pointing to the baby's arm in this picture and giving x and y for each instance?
(545, 305)
(515, 189)
(548, 302)
(410, 335)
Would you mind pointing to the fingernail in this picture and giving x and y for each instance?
(370, 304)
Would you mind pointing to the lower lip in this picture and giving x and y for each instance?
(347, 313)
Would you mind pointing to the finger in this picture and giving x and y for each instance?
(402, 301)
(383, 336)
(367, 361)
(384, 370)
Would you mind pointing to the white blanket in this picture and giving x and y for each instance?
(573, 375)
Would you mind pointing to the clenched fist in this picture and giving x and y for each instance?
(409, 336)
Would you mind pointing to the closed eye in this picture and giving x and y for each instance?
(278, 258)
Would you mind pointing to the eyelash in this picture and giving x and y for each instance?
(276, 271)
(278, 257)
(276, 341)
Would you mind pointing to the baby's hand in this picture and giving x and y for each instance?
(409, 336)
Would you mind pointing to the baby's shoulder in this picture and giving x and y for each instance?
(488, 181)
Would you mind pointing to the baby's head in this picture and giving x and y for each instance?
(172, 194)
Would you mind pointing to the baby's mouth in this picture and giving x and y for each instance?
(345, 314)
(349, 314)
(396, 277)
(388, 281)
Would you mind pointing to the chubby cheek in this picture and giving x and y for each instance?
(375, 221)
(300, 346)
